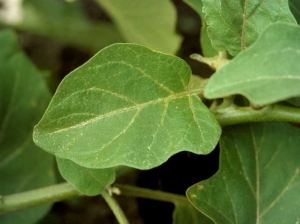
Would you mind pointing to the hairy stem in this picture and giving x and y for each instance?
(116, 209)
(36, 197)
(237, 115)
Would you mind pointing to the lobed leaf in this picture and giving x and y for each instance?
(266, 72)
(129, 106)
(258, 180)
(235, 25)
(151, 23)
(22, 165)
(90, 182)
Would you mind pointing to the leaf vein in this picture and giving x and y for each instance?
(140, 70)
(243, 168)
(122, 110)
(232, 84)
(8, 113)
(231, 200)
(285, 189)
(255, 148)
(218, 211)
(123, 131)
(159, 124)
(17, 152)
(194, 116)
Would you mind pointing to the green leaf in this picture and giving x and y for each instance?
(235, 25)
(259, 176)
(207, 49)
(88, 181)
(197, 84)
(62, 21)
(187, 214)
(9, 46)
(130, 106)
(295, 101)
(150, 23)
(261, 73)
(295, 9)
(23, 99)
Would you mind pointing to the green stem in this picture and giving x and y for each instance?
(36, 197)
(133, 191)
(223, 54)
(237, 115)
(114, 206)
(64, 191)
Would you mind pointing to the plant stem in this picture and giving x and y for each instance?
(133, 191)
(64, 191)
(237, 115)
(114, 206)
(36, 197)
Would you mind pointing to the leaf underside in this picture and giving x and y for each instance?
(266, 72)
(129, 106)
(259, 176)
(235, 25)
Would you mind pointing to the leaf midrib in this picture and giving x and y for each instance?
(255, 79)
(126, 109)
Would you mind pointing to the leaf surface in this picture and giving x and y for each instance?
(235, 25)
(23, 99)
(266, 72)
(150, 23)
(258, 179)
(130, 106)
(187, 214)
(90, 182)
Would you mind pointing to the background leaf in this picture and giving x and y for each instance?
(261, 73)
(187, 214)
(259, 176)
(62, 21)
(207, 49)
(22, 165)
(129, 106)
(295, 9)
(235, 25)
(197, 84)
(88, 181)
(150, 23)
(295, 101)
